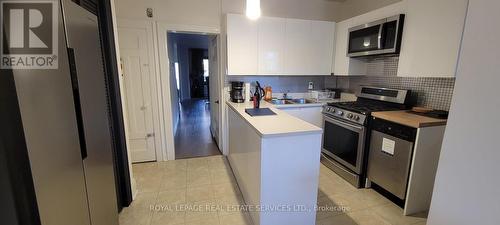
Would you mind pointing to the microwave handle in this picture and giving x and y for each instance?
(380, 37)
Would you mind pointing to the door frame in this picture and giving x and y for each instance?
(155, 80)
(220, 81)
(165, 104)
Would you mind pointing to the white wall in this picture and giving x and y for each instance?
(299, 9)
(208, 12)
(352, 8)
(186, 12)
(467, 183)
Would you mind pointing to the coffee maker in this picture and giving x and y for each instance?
(237, 92)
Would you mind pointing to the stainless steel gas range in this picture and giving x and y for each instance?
(346, 126)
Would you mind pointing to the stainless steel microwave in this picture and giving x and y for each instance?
(376, 38)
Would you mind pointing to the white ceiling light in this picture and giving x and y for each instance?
(253, 9)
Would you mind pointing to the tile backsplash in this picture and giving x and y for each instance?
(382, 66)
(282, 83)
(431, 92)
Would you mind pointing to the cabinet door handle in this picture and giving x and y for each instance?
(150, 135)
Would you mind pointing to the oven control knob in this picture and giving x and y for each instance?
(332, 110)
(327, 109)
(350, 115)
(340, 113)
(356, 117)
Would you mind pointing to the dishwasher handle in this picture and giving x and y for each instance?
(397, 130)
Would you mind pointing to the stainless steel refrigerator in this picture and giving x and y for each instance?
(65, 120)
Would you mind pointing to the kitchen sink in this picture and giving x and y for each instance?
(302, 101)
(291, 101)
(281, 101)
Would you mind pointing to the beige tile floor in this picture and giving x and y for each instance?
(203, 191)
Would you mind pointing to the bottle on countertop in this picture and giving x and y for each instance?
(268, 90)
(257, 95)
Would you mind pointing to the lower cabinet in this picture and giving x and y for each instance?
(311, 115)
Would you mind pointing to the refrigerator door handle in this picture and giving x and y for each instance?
(76, 98)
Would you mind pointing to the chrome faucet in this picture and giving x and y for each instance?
(285, 94)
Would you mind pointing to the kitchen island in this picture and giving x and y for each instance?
(276, 161)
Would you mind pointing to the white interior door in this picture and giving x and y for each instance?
(214, 87)
(137, 75)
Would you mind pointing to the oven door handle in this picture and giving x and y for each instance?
(331, 120)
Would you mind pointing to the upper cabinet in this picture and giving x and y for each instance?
(271, 56)
(297, 42)
(309, 47)
(432, 37)
(279, 46)
(341, 61)
(321, 48)
(242, 39)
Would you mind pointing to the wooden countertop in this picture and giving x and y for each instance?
(409, 119)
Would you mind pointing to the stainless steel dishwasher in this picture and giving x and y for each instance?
(390, 155)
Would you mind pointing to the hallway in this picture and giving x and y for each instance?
(193, 137)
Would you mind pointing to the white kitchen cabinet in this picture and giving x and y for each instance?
(341, 61)
(311, 115)
(279, 46)
(271, 47)
(242, 48)
(297, 42)
(309, 47)
(322, 38)
(431, 38)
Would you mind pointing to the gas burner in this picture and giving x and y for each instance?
(358, 111)
(365, 107)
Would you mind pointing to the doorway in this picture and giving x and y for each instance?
(192, 61)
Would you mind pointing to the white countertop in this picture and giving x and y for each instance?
(280, 124)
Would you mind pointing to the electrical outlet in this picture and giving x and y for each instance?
(311, 85)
